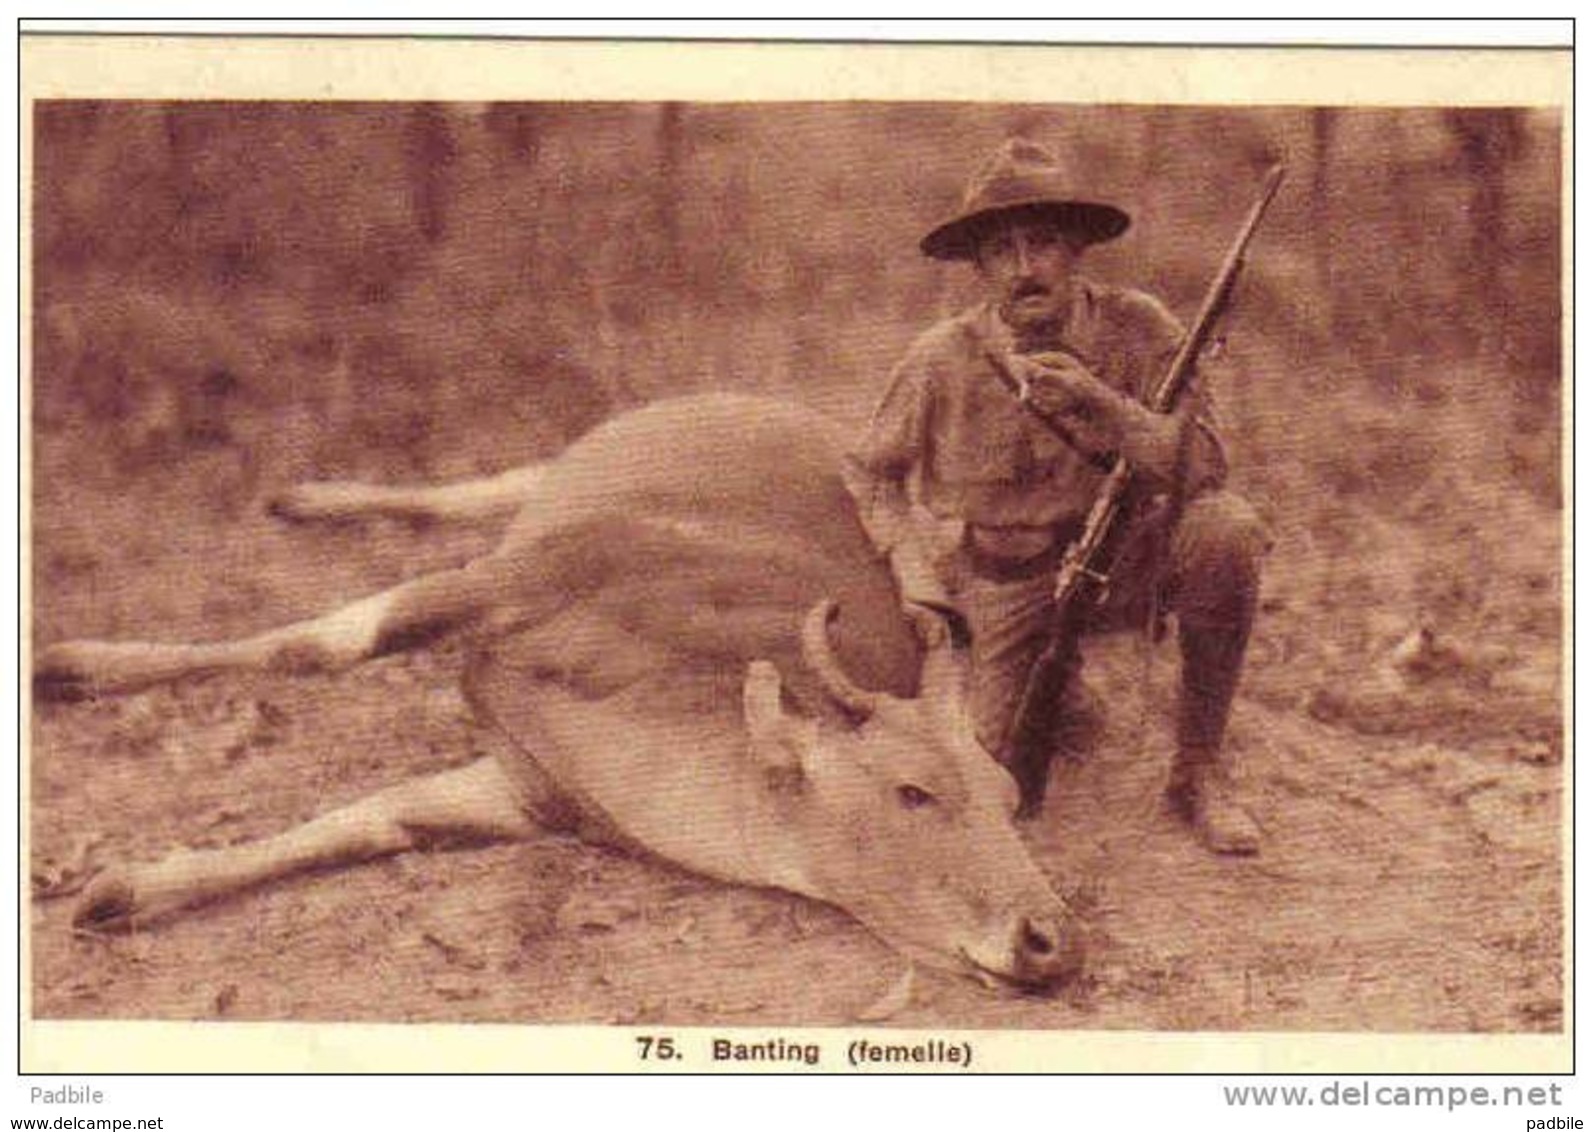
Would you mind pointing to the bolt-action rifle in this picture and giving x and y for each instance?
(1083, 577)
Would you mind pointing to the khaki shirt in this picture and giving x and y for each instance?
(948, 425)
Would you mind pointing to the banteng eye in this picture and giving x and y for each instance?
(913, 797)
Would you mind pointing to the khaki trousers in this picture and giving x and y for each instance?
(1205, 570)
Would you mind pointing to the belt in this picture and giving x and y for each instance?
(995, 566)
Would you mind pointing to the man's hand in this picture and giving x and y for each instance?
(916, 575)
(1097, 418)
(1061, 388)
(1059, 385)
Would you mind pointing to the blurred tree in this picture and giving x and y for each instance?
(1488, 142)
(430, 150)
(670, 186)
(1324, 123)
(515, 125)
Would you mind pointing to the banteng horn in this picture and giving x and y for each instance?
(820, 657)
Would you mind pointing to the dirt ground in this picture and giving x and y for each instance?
(1411, 879)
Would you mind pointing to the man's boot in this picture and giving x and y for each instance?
(1201, 788)
(1201, 791)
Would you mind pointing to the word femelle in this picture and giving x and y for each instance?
(66, 1094)
(932, 1052)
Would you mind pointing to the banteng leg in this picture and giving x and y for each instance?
(473, 804)
(479, 500)
(403, 617)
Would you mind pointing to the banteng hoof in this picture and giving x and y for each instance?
(61, 675)
(1029, 807)
(308, 503)
(109, 906)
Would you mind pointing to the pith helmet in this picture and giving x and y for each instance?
(1023, 177)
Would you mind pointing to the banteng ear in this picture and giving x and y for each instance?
(772, 734)
(939, 625)
(760, 700)
(946, 639)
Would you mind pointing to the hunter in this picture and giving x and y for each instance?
(1013, 490)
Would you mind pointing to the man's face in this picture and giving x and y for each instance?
(1027, 266)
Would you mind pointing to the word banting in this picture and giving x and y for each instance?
(775, 1049)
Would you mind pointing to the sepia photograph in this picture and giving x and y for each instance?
(931, 570)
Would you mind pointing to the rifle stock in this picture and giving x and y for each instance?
(1028, 744)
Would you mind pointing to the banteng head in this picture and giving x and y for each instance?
(905, 821)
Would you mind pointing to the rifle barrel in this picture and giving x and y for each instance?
(1167, 390)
